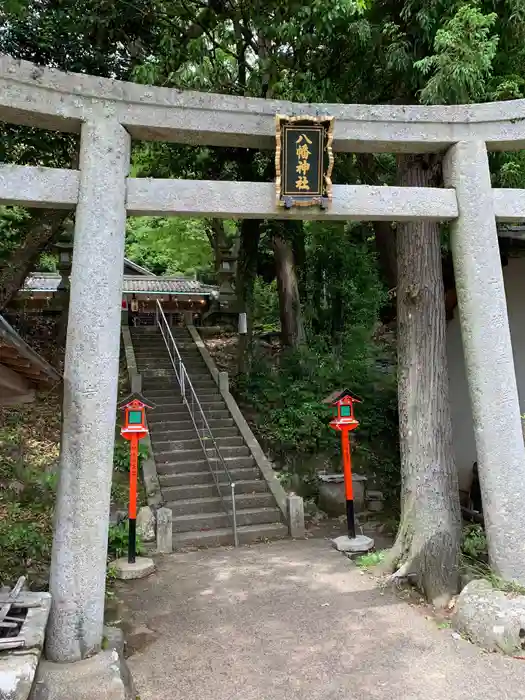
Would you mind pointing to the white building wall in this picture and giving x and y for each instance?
(463, 430)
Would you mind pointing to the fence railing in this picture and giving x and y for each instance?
(214, 458)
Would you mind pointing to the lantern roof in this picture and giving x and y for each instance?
(135, 397)
(336, 396)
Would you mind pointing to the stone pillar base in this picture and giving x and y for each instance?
(353, 545)
(104, 676)
(141, 567)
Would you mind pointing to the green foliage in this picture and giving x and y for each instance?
(367, 561)
(169, 246)
(342, 285)
(118, 538)
(292, 420)
(475, 561)
(474, 542)
(265, 305)
(465, 50)
(11, 230)
(28, 455)
(121, 455)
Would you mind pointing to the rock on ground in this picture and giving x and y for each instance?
(146, 524)
(490, 618)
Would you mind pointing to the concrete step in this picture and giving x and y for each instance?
(214, 504)
(179, 410)
(224, 536)
(220, 519)
(165, 362)
(190, 434)
(155, 417)
(154, 364)
(201, 465)
(174, 456)
(173, 403)
(146, 352)
(171, 388)
(159, 373)
(209, 490)
(161, 423)
(165, 416)
(162, 445)
(189, 478)
(193, 366)
(182, 344)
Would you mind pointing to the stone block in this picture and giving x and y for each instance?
(332, 497)
(146, 524)
(17, 672)
(140, 568)
(224, 384)
(491, 618)
(113, 639)
(295, 515)
(18, 667)
(164, 531)
(104, 676)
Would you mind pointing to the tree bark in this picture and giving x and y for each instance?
(216, 236)
(43, 227)
(385, 239)
(428, 541)
(292, 328)
(246, 273)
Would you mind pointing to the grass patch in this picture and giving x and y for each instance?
(367, 561)
(475, 561)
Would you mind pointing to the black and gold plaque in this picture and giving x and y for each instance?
(304, 160)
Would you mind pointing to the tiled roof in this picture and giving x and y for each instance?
(138, 268)
(48, 282)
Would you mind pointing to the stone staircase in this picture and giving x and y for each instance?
(187, 485)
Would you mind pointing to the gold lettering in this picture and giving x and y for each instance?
(303, 167)
(305, 137)
(303, 152)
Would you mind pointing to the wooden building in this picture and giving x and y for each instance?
(22, 370)
(141, 291)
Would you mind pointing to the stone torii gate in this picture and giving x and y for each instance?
(108, 114)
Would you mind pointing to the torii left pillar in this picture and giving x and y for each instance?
(78, 565)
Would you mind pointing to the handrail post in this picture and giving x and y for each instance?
(234, 516)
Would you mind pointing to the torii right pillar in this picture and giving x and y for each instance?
(488, 357)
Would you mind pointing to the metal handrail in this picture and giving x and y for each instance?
(204, 433)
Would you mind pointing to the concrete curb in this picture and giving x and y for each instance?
(149, 468)
(260, 458)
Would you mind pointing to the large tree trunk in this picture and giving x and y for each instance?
(246, 273)
(428, 540)
(385, 239)
(217, 237)
(292, 328)
(42, 228)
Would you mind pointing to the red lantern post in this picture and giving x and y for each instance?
(134, 429)
(344, 421)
